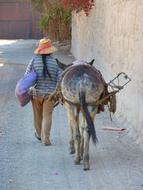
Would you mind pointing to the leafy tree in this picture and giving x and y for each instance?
(55, 19)
(56, 15)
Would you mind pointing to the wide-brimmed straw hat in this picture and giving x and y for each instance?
(45, 47)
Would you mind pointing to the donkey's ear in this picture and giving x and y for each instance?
(61, 65)
(91, 63)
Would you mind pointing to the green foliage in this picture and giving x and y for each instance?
(58, 14)
(46, 19)
(54, 15)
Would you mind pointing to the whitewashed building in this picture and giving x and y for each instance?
(113, 35)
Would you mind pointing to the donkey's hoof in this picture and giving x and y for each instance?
(81, 157)
(71, 147)
(86, 169)
(72, 151)
(77, 161)
(86, 166)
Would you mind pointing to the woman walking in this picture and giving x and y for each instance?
(48, 74)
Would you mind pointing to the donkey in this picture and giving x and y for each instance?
(81, 87)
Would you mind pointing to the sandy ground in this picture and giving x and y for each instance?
(26, 164)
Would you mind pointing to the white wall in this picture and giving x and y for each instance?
(113, 35)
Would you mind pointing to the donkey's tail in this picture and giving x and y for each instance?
(89, 121)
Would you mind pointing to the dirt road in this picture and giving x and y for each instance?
(26, 164)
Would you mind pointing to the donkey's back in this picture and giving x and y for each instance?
(82, 78)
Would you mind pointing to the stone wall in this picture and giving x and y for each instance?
(113, 35)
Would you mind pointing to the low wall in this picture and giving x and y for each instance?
(113, 35)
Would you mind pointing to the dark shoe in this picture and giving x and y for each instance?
(37, 136)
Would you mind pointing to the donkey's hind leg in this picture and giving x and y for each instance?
(82, 128)
(71, 142)
(86, 164)
(73, 118)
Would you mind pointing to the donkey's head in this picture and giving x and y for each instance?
(77, 62)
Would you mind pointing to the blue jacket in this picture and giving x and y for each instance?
(44, 85)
